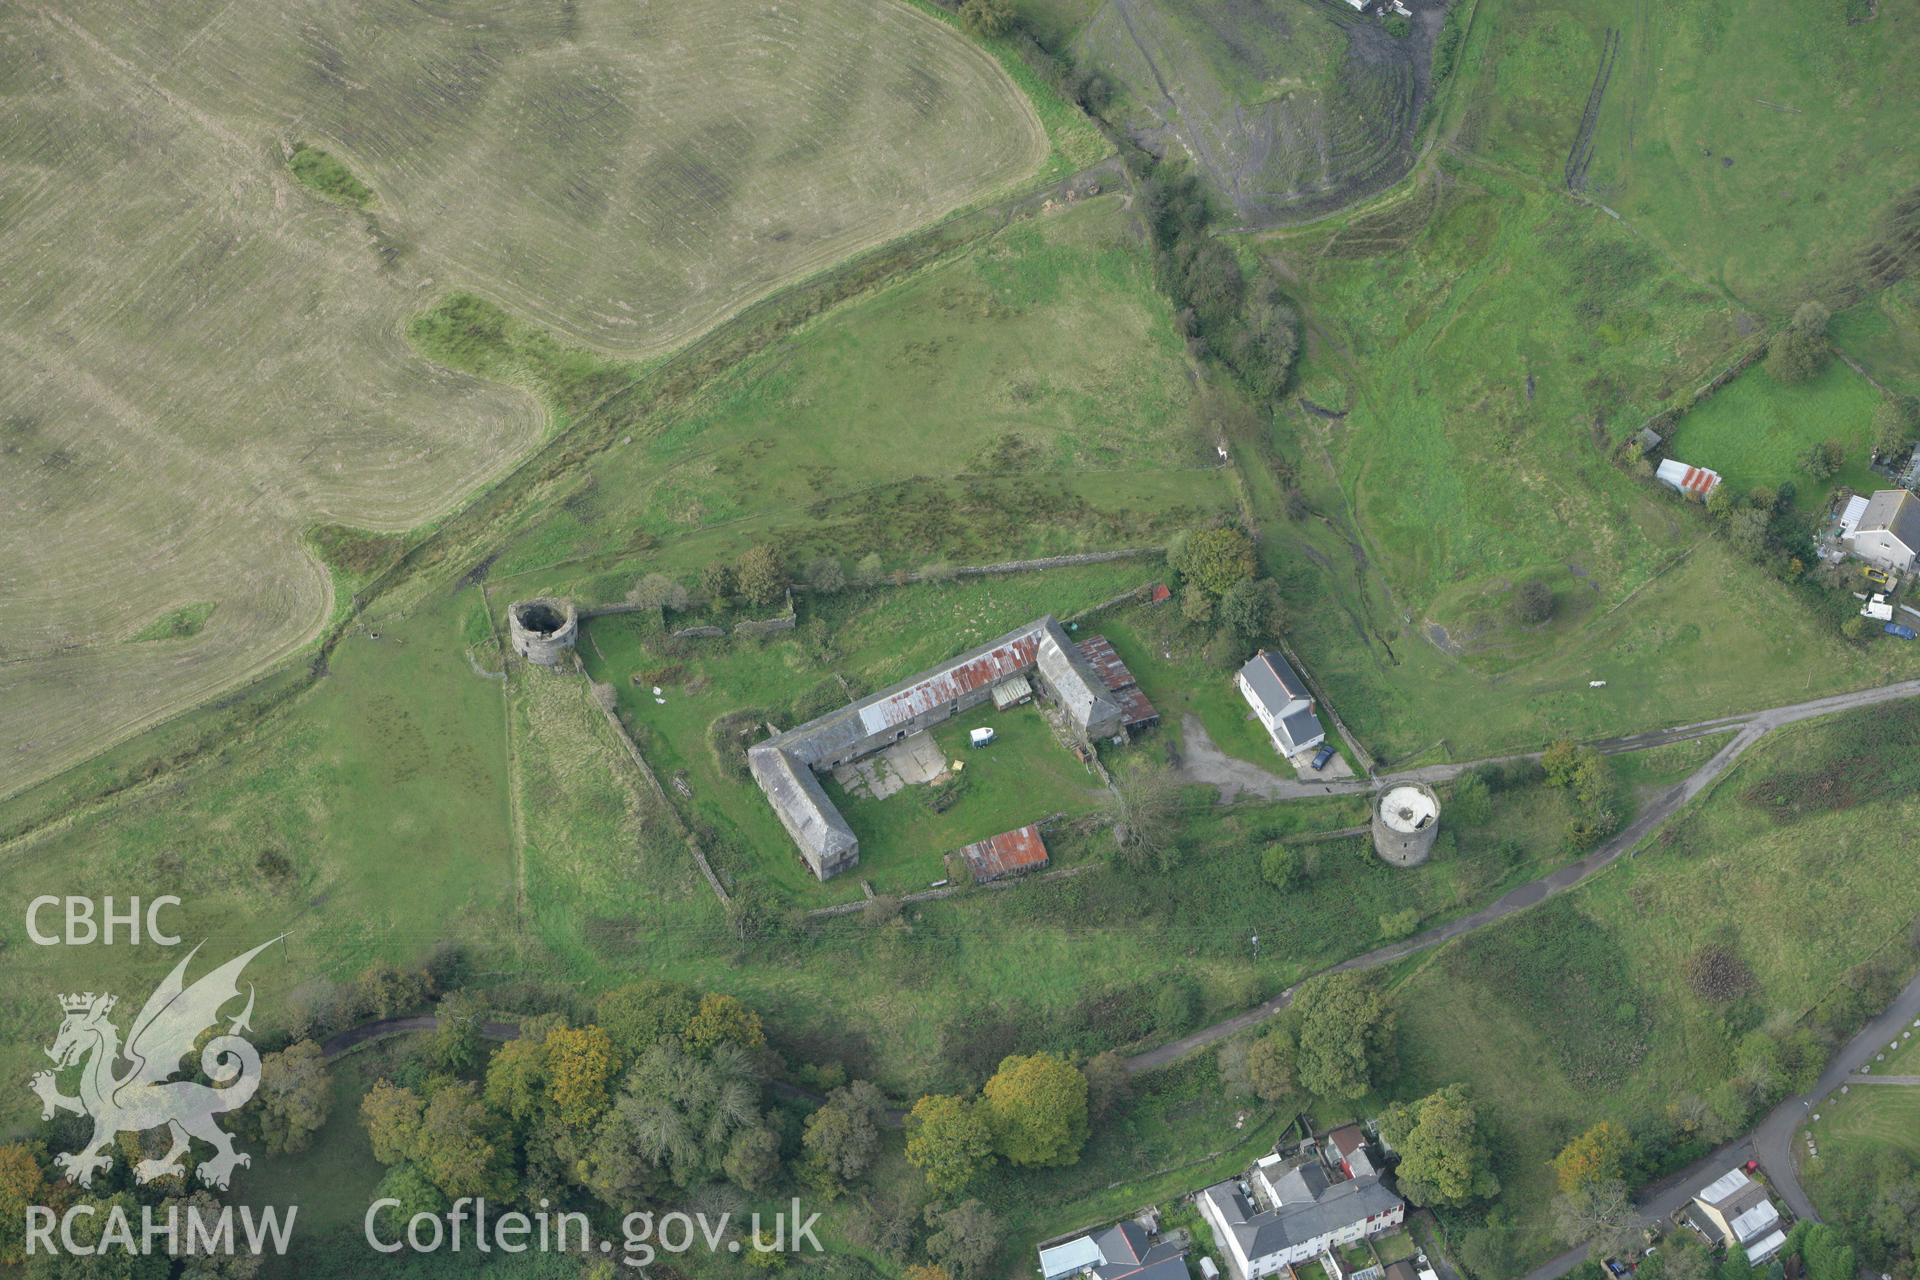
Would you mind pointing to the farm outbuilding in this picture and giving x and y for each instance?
(1012, 692)
(1039, 653)
(1695, 482)
(1010, 853)
(1136, 711)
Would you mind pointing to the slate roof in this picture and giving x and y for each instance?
(1896, 511)
(802, 806)
(1302, 726)
(1732, 1193)
(1274, 681)
(783, 764)
(1272, 1230)
(1121, 1252)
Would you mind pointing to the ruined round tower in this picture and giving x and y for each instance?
(543, 631)
(1406, 819)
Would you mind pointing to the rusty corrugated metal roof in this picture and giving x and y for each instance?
(951, 683)
(1135, 710)
(1107, 663)
(1007, 854)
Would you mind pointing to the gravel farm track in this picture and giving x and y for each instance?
(204, 360)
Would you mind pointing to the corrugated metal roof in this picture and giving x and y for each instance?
(949, 684)
(1135, 711)
(1099, 651)
(1755, 1221)
(1697, 481)
(1850, 518)
(1066, 1259)
(1007, 854)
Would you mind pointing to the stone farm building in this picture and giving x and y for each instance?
(786, 765)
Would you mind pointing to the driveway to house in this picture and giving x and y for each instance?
(1204, 763)
(1771, 1141)
(1748, 729)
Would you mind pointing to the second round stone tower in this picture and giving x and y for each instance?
(1406, 820)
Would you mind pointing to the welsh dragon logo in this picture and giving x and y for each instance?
(145, 1096)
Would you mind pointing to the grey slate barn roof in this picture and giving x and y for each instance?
(1296, 1223)
(784, 764)
(802, 806)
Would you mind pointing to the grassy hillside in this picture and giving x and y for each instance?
(1480, 348)
(209, 350)
(369, 822)
(1762, 146)
(1025, 397)
(1585, 1010)
(1289, 107)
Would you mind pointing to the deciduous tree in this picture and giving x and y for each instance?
(1270, 1064)
(842, 1137)
(949, 1140)
(724, 1020)
(1217, 560)
(965, 1239)
(1598, 1155)
(580, 1064)
(391, 1114)
(1444, 1161)
(1346, 1035)
(295, 1097)
(639, 1014)
(1037, 1104)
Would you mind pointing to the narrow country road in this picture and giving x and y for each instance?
(1749, 728)
(1771, 1141)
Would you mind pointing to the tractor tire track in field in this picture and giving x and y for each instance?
(1581, 154)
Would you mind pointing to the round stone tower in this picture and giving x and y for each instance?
(543, 630)
(1406, 819)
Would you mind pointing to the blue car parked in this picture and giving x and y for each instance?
(1324, 754)
(1902, 630)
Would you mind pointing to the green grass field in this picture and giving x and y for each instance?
(211, 356)
(1581, 1010)
(1883, 333)
(368, 821)
(1025, 775)
(1755, 431)
(1487, 347)
(1757, 145)
(872, 639)
(1028, 396)
(1867, 1120)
